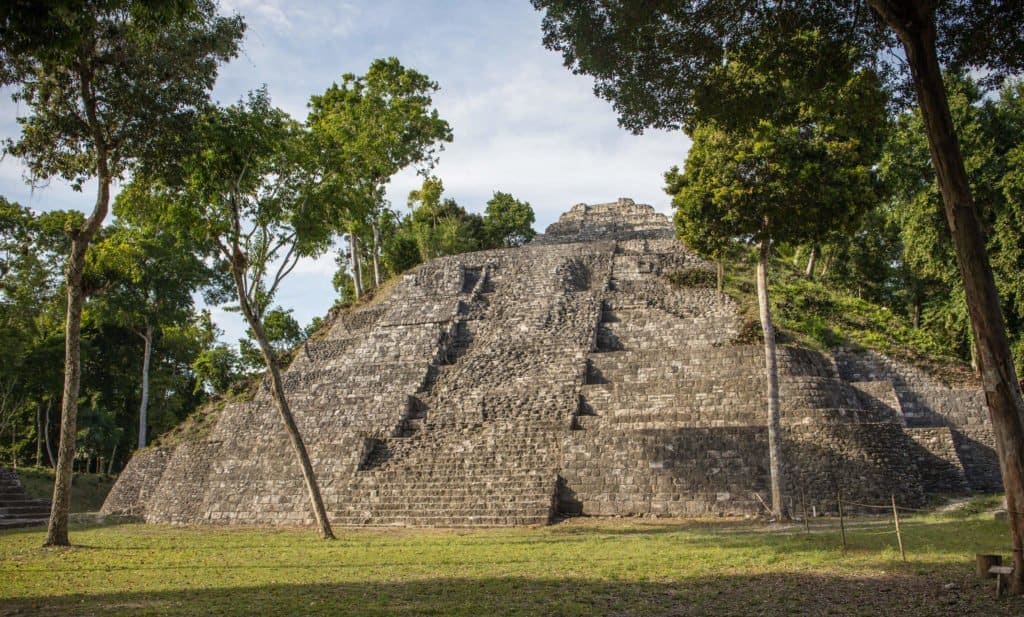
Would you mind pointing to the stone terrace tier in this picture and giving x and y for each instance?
(593, 371)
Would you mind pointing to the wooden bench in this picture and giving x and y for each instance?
(1001, 573)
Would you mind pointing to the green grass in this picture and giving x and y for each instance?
(581, 567)
(88, 490)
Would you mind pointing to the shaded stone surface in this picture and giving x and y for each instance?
(569, 376)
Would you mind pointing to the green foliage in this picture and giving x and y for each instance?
(217, 368)
(110, 85)
(366, 130)
(507, 221)
(248, 199)
(401, 250)
(111, 88)
(441, 226)
(824, 315)
(989, 131)
(370, 127)
(800, 171)
(283, 333)
(660, 63)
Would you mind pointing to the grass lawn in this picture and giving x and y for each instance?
(579, 567)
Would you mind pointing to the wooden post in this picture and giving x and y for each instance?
(985, 562)
(842, 521)
(896, 519)
(803, 507)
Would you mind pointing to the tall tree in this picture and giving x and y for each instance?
(764, 186)
(440, 225)
(249, 198)
(799, 170)
(367, 129)
(109, 87)
(652, 60)
(508, 221)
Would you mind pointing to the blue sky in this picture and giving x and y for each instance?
(523, 123)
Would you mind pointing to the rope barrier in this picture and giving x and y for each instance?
(885, 507)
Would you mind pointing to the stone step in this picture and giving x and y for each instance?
(427, 508)
(468, 482)
(620, 336)
(446, 484)
(726, 395)
(18, 523)
(446, 488)
(395, 503)
(442, 521)
(647, 419)
(30, 508)
(670, 364)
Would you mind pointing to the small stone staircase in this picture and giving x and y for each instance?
(449, 478)
(16, 508)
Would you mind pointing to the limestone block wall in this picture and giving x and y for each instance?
(926, 402)
(672, 472)
(701, 471)
(134, 488)
(938, 461)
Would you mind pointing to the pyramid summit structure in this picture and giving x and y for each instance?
(593, 371)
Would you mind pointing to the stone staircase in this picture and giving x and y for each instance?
(461, 457)
(478, 476)
(16, 508)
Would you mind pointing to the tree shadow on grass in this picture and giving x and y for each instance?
(725, 594)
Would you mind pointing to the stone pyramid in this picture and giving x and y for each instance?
(594, 371)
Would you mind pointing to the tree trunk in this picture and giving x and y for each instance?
(39, 434)
(57, 529)
(376, 255)
(147, 354)
(110, 463)
(46, 435)
(974, 354)
(915, 25)
(277, 391)
(720, 276)
(811, 262)
(362, 264)
(827, 261)
(772, 373)
(353, 246)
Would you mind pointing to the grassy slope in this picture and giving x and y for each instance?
(812, 314)
(581, 567)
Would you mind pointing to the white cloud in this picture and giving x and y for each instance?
(309, 20)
